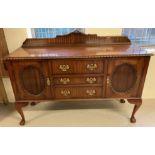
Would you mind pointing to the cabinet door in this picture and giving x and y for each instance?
(125, 77)
(32, 80)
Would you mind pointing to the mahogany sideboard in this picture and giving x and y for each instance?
(77, 66)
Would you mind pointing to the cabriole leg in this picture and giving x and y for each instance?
(137, 103)
(18, 106)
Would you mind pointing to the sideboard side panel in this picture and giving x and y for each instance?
(145, 69)
(10, 69)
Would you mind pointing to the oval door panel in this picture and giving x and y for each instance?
(32, 80)
(123, 78)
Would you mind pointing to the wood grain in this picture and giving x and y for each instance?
(62, 68)
(124, 78)
(78, 45)
(3, 52)
(78, 92)
(76, 38)
(3, 72)
(78, 66)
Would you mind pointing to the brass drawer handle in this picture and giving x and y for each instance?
(65, 92)
(91, 92)
(48, 81)
(64, 80)
(64, 68)
(91, 80)
(91, 67)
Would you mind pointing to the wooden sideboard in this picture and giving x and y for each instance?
(77, 66)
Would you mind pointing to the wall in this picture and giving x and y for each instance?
(104, 31)
(15, 38)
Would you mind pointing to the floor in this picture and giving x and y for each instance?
(110, 113)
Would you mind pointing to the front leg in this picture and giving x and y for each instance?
(18, 106)
(138, 103)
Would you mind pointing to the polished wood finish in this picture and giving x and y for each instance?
(18, 106)
(128, 71)
(114, 50)
(78, 79)
(85, 46)
(31, 80)
(78, 66)
(78, 92)
(76, 38)
(3, 72)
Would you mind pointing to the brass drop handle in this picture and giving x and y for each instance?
(64, 80)
(64, 68)
(48, 81)
(90, 92)
(91, 80)
(91, 67)
(65, 92)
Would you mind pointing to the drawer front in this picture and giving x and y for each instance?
(70, 80)
(67, 66)
(78, 92)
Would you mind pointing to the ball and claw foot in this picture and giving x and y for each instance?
(33, 103)
(18, 106)
(133, 119)
(137, 103)
(22, 122)
(122, 101)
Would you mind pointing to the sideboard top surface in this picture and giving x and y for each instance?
(77, 45)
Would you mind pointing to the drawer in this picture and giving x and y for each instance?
(68, 66)
(78, 92)
(71, 80)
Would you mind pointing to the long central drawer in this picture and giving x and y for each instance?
(77, 66)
